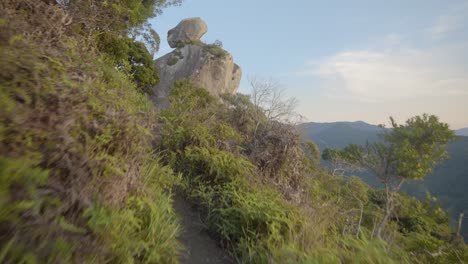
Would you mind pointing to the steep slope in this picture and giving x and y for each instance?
(79, 182)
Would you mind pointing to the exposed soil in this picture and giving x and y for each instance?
(200, 248)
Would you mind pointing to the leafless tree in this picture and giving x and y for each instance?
(271, 101)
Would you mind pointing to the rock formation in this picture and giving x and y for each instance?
(208, 66)
(188, 30)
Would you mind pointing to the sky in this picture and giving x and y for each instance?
(345, 60)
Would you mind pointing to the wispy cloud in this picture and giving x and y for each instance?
(451, 21)
(402, 73)
(446, 24)
(385, 75)
(397, 69)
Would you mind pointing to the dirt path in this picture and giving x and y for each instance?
(200, 247)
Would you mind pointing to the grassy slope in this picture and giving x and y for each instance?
(78, 180)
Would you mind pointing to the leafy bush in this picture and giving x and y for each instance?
(132, 57)
(172, 61)
(215, 50)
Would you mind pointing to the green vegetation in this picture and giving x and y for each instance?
(447, 182)
(268, 204)
(131, 57)
(88, 167)
(408, 152)
(181, 44)
(216, 50)
(78, 181)
(177, 55)
(172, 61)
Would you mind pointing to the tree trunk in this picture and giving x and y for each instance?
(373, 228)
(360, 218)
(388, 212)
(389, 204)
(460, 221)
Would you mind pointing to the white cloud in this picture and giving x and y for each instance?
(452, 20)
(395, 74)
(399, 74)
(446, 24)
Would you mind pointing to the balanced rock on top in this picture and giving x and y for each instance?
(188, 30)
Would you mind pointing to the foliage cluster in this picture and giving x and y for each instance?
(113, 27)
(132, 57)
(252, 219)
(215, 49)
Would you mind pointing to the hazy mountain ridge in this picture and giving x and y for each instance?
(462, 131)
(339, 134)
(448, 181)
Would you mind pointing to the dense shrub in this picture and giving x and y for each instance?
(132, 57)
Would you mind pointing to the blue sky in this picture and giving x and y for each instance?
(346, 60)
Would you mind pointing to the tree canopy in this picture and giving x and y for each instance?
(408, 152)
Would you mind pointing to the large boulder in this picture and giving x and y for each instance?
(208, 66)
(188, 30)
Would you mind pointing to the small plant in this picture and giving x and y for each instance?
(178, 54)
(215, 50)
(182, 44)
(218, 43)
(172, 61)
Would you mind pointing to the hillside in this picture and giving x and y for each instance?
(108, 156)
(339, 134)
(448, 181)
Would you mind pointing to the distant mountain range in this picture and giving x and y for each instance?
(448, 182)
(340, 134)
(462, 131)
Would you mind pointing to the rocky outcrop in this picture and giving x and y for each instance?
(208, 66)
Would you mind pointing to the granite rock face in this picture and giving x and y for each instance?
(208, 66)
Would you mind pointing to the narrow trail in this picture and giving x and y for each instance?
(200, 248)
